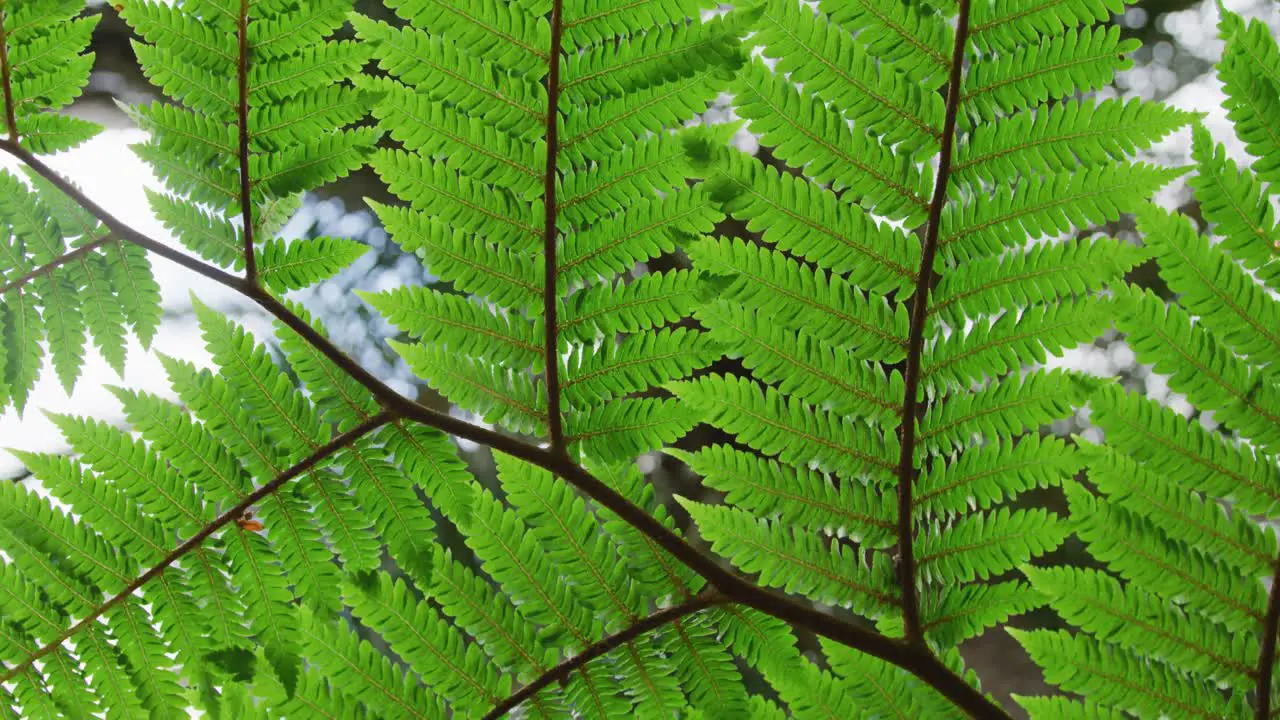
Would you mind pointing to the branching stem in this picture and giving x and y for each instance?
(56, 263)
(193, 542)
(1267, 653)
(912, 408)
(731, 586)
(561, 672)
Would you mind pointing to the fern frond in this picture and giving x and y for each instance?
(1139, 552)
(458, 201)
(474, 265)
(364, 673)
(986, 545)
(635, 364)
(913, 41)
(1080, 133)
(1076, 61)
(495, 393)
(461, 326)
(1250, 74)
(1061, 708)
(1228, 536)
(1146, 625)
(798, 561)
(1210, 285)
(987, 475)
(1013, 340)
(1003, 409)
(660, 55)
(431, 461)
(806, 133)
(1003, 26)
(804, 365)
(1112, 676)
(1186, 454)
(1017, 280)
(385, 496)
(816, 52)
(808, 221)
(875, 684)
(1040, 207)
(705, 667)
(796, 433)
(826, 304)
(593, 21)
(303, 263)
(490, 617)
(624, 429)
(512, 556)
(1237, 205)
(264, 114)
(952, 615)
(1211, 375)
(436, 68)
(436, 652)
(799, 497)
(641, 306)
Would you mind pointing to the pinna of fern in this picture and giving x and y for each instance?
(893, 315)
(1182, 617)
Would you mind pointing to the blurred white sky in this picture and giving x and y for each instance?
(109, 173)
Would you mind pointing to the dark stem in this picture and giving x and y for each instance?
(732, 586)
(912, 408)
(55, 264)
(1267, 654)
(6, 80)
(561, 672)
(242, 121)
(117, 228)
(198, 539)
(550, 234)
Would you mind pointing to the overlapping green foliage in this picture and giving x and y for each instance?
(266, 108)
(547, 159)
(1175, 620)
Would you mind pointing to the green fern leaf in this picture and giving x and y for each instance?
(986, 545)
(468, 328)
(302, 263)
(787, 428)
(1139, 552)
(364, 674)
(801, 498)
(1112, 676)
(1145, 625)
(436, 652)
(1250, 74)
(797, 561)
(1236, 203)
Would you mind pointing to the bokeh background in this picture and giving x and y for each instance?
(1179, 47)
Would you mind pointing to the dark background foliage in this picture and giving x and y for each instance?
(1162, 67)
